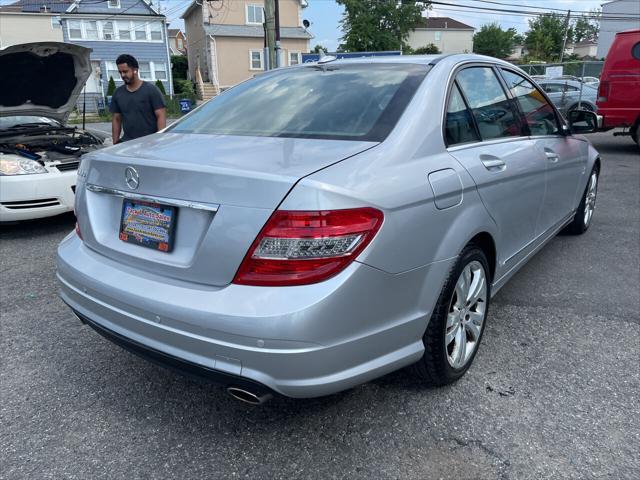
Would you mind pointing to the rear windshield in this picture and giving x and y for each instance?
(331, 101)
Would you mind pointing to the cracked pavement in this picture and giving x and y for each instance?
(553, 392)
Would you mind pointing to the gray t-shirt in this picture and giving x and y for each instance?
(137, 109)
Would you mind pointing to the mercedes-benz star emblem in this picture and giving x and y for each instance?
(132, 178)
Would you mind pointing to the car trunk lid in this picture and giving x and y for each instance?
(224, 188)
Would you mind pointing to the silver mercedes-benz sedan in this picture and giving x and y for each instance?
(320, 226)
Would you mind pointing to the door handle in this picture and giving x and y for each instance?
(494, 164)
(551, 156)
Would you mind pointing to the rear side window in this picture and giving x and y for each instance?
(459, 124)
(635, 51)
(538, 113)
(488, 102)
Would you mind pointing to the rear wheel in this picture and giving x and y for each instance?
(635, 134)
(457, 323)
(584, 214)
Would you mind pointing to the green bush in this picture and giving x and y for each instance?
(111, 87)
(161, 87)
(426, 50)
(183, 88)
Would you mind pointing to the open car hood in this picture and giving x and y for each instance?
(42, 78)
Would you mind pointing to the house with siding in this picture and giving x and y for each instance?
(448, 34)
(31, 21)
(111, 28)
(225, 40)
(177, 42)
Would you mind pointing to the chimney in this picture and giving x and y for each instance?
(44, 9)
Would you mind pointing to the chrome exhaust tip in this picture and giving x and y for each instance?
(253, 398)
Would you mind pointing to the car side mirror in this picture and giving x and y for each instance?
(582, 121)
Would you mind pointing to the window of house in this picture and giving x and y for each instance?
(112, 71)
(255, 60)
(254, 14)
(294, 58)
(459, 126)
(538, 114)
(160, 70)
(55, 22)
(145, 71)
(75, 29)
(140, 30)
(180, 44)
(114, 4)
(438, 36)
(489, 103)
(156, 30)
(107, 30)
(91, 30)
(124, 30)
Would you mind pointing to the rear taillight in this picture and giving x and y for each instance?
(78, 232)
(299, 247)
(603, 91)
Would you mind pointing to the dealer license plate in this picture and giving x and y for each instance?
(148, 224)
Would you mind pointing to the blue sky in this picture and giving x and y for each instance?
(325, 15)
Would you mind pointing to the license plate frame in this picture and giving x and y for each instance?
(147, 224)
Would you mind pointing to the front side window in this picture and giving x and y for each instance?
(75, 29)
(255, 60)
(254, 14)
(459, 124)
(538, 113)
(488, 102)
(338, 102)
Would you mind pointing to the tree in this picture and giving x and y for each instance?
(179, 66)
(319, 47)
(494, 41)
(377, 25)
(586, 28)
(111, 87)
(161, 87)
(426, 50)
(545, 37)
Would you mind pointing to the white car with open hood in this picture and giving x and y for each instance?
(39, 155)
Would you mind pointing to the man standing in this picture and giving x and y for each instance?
(137, 106)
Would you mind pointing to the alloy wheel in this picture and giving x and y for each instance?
(590, 198)
(466, 315)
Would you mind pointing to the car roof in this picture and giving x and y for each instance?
(417, 59)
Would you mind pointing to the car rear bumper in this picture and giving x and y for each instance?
(25, 197)
(302, 341)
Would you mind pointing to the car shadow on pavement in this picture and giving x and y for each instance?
(40, 226)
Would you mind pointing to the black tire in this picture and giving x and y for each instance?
(635, 134)
(578, 225)
(583, 106)
(434, 367)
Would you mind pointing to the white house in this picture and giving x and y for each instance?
(623, 15)
(449, 35)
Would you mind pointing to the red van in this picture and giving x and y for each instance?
(619, 91)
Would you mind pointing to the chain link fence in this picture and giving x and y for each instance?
(574, 69)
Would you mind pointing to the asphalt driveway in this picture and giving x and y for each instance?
(553, 393)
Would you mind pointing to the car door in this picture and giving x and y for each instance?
(506, 167)
(565, 156)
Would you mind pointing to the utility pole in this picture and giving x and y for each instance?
(270, 28)
(566, 32)
(277, 44)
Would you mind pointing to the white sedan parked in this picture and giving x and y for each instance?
(39, 155)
